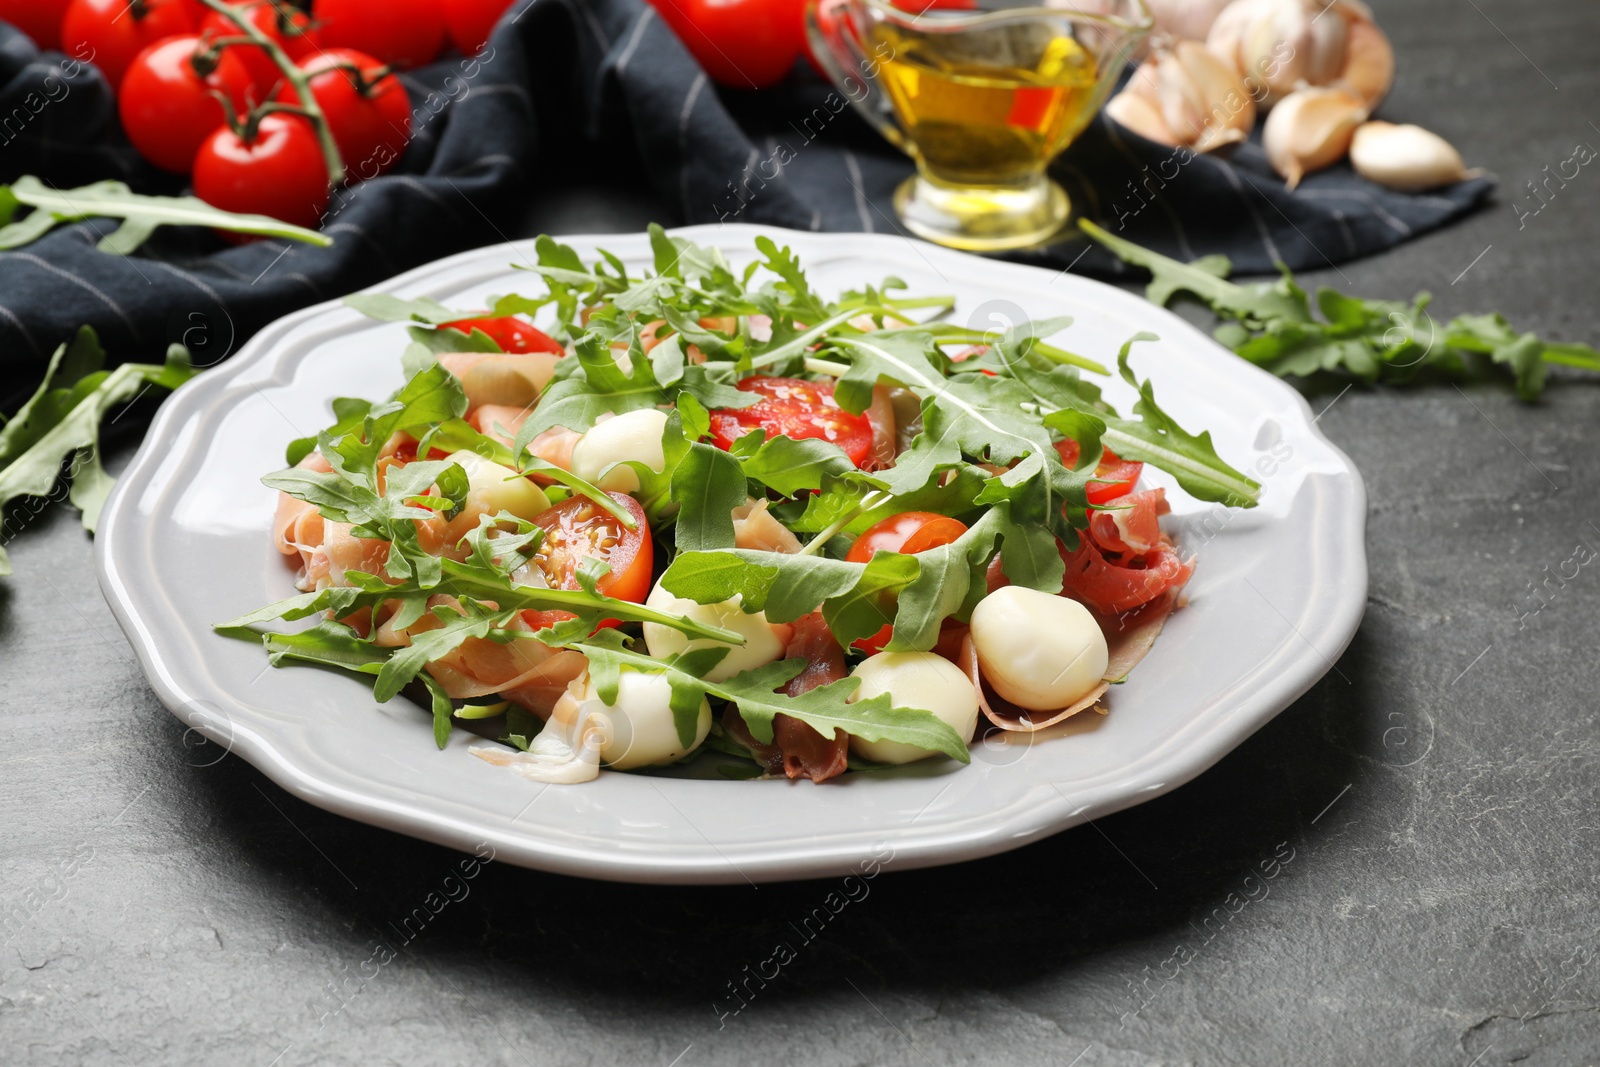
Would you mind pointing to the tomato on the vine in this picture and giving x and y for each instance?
(742, 44)
(797, 408)
(115, 31)
(909, 532)
(1114, 476)
(510, 333)
(279, 171)
(469, 22)
(166, 102)
(577, 529)
(290, 28)
(39, 19)
(402, 33)
(366, 108)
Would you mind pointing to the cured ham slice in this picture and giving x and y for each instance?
(797, 750)
(1131, 527)
(509, 378)
(1110, 583)
(1008, 716)
(754, 528)
(499, 422)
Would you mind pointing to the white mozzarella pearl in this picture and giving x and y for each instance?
(1039, 651)
(633, 435)
(639, 730)
(764, 641)
(496, 488)
(922, 680)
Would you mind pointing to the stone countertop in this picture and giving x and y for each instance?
(1403, 867)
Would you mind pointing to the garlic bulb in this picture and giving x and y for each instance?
(1310, 129)
(1185, 95)
(1188, 20)
(1408, 158)
(1368, 64)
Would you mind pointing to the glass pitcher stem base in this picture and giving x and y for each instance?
(981, 219)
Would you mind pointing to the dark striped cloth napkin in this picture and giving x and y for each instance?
(566, 89)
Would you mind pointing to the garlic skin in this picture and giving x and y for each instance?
(1407, 158)
(1294, 43)
(1039, 650)
(923, 680)
(1310, 129)
(1184, 95)
(1369, 63)
(1188, 20)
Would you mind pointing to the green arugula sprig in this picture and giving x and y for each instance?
(60, 424)
(1273, 326)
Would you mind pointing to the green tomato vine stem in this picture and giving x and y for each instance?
(295, 77)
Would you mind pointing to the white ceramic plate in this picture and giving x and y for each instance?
(185, 542)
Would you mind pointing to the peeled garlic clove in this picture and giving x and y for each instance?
(1188, 20)
(1368, 64)
(1135, 112)
(1202, 101)
(1310, 129)
(1407, 158)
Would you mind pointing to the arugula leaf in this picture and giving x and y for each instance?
(140, 214)
(1272, 325)
(60, 424)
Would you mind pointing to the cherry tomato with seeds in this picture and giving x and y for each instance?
(577, 529)
(510, 333)
(289, 27)
(116, 31)
(366, 107)
(794, 408)
(166, 102)
(470, 21)
(39, 19)
(402, 33)
(909, 532)
(278, 172)
(1115, 476)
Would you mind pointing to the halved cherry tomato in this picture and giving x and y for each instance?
(1117, 475)
(279, 173)
(115, 31)
(370, 115)
(909, 532)
(405, 33)
(511, 334)
(796, 408)
(578, 528)
(290, 28)
(166, 103)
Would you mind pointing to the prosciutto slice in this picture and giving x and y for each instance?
(1131, 526)
(797, 750)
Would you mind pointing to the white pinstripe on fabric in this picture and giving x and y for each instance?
(29, 257)
(12, 317)
(683, 137)
(1273, 254)
(639, 23)
(1184, 248)
(857, 182)
(1396, 224)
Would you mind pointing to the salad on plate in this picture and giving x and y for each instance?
(708, 509)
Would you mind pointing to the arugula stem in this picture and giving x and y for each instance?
(817, 332)
(295, 77)
(828, 367)
(828, 533)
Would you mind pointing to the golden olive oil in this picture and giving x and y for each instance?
(986, 108)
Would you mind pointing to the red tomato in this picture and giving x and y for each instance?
(469, 22)
(578, 528)
(402, 33)
(1117, 475)
(280, 172)
(292, 33)
(39, 19)
(743, 44)
(511, 334)
(370, 127)
(115, 31)
(909, 532)
(167, 106)
(797, 408)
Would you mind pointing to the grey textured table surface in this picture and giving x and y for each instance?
(1402, 868)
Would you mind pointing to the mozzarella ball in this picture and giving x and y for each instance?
(633, 435)
(496, 488)
(764, 641)
(922, 680)
(1039, 651)
(639, 730)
